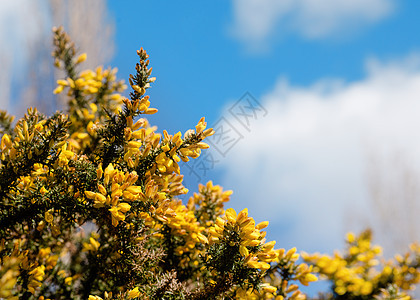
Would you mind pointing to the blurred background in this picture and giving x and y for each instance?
(316, 104)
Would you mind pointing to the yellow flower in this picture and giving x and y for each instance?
(49, 217)
(268, 288)
(134, 293)
(93, 245)
(35, 279)
(62, 82)
(68, 280)
(350, 237)
(58, 89)
(81, 58)
(243, 250)
(231, 215)
(200, 126)
(43, 190)
(309, 277)
(118, 212)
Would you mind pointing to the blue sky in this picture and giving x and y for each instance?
(339, 81)
(199, 62)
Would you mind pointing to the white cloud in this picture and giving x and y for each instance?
(303, 166)
(255, 21)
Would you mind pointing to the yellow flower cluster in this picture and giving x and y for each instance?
(140, 140)
(24, 134)
(141, 105)
(175, 149)
(6, 145)
(209, 202)
(25, 185)
(66, 154)
(117, 187)
(266, 291)
(93, 244)
(184, 224)
(83, 90)
(91, 82)
(170, 184)
(82, 138)
(190, 149)
(406, 269)
(18, 262)
(283, 272)
(129, 294)
(249, 236)
(278, 268)
(47, 258)
(36, 277)
(360, 273)
(9, 272)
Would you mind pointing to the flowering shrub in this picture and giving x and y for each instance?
(90, 210)
(359, 273)
(89, 206)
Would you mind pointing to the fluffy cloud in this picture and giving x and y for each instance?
(257, 20)
(304, 165)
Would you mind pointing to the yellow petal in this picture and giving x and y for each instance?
(124, 207)
(231, 215)
(243, 251)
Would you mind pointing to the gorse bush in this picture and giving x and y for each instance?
(90, 209)
(361, 274)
